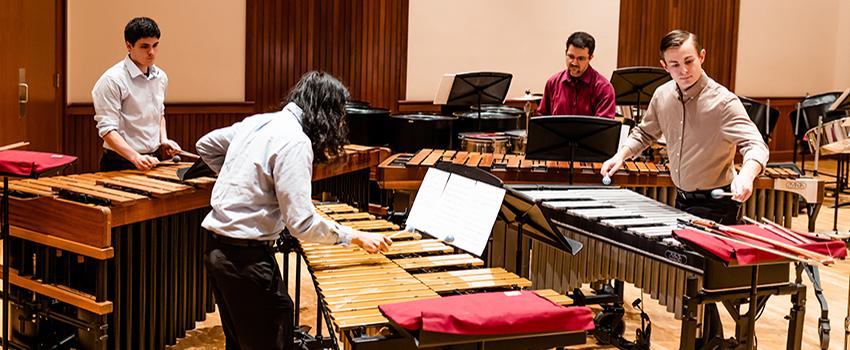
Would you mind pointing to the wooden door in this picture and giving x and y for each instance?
(30, 66)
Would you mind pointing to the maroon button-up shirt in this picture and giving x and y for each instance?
(591, 94)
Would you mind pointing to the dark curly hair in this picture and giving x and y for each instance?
(322, 98)
(140, 27)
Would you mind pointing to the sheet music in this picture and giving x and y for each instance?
(624, 135)
(444, 89)
(456, 209)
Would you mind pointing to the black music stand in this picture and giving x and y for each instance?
(473, 88)
(634, 86)
(572, 138)
(763, 116)
(21, 164)
(198, 169)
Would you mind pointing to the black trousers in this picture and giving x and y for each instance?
(723, 211)
(112, 161)
(255, 308)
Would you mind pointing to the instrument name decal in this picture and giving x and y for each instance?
(795, 185)
(676, 257)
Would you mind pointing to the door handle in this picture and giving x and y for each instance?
(23, 92)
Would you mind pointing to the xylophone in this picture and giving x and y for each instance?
(351, 283)
(348, 177)
(113, 260)
(628, 237)
(775, 192)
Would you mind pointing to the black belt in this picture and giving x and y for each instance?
(701, 194)
(152, 154)
(241, 242)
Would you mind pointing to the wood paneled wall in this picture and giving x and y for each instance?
(715, 22)
(186, 123)
(361, 42)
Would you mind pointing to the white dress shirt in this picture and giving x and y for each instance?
(265, 167)
(128, 101)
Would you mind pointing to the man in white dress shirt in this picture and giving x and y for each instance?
(264, 165)
(129, 103)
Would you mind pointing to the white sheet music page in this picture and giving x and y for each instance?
(453, 205)
(442, 96)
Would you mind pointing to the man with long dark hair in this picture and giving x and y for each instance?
(265, 165)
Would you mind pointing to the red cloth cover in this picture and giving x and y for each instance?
(513, 312)
(29, 163)
(730, 251)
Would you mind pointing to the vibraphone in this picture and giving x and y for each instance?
(775, 192)
(628, 237)
(114, 260)
(352, 283)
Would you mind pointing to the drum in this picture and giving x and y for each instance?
(366, 125)
(834, 137)
(412, 132)
(518, 138)
(484, 121)
(499, 109)
(484, 143)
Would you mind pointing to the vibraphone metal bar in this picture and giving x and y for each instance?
(109, 260)
(352, 283)
(775, 192)
(628, 237)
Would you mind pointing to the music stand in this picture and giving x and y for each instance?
(198, 169)
(572, 138)
(634, 86)
(762, 115)
(23, 164)
(473, 88)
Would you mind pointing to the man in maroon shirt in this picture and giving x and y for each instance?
(579, 89)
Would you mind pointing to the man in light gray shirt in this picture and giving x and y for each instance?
(704, 124)
(265, 165)
(129, 103)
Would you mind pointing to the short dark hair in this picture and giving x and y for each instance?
(140, 27)
(677, 38)
(582, 40)
(322, 99)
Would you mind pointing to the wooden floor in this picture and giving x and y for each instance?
(771, 327)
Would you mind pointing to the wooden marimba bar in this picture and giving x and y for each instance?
(109, 260)
(351, 283)
(347, 178)
(775, 192)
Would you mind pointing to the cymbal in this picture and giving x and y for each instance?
(527, 98)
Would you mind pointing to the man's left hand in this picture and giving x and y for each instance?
(170, 148)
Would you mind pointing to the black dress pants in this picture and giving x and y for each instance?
(723, 210)
(255, 308)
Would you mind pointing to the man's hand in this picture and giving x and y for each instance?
(742, 184)
(371, 242)
(169, 148)
(610, 167)
(143, 162)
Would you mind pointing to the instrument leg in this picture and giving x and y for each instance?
(823, 321)
(687, 339)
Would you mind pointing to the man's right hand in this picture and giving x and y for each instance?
(371, 242)
(144, 162)
(610, 167)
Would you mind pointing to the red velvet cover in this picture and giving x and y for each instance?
(29, 163)
(729, 251)
(512, 312)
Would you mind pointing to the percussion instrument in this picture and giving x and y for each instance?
(628, 237)
(832, 137)
(518, 138)
(114, 259)
(484, 142)
(351, 283)
(775, 192)
(487, 121)
(410, 132)
(366, 124)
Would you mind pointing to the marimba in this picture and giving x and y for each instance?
(628, 237)
(115, 259)
(775, 193)
(351, 283)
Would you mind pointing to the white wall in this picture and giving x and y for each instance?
(202, 46)
(524, 38)
(790, 48)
